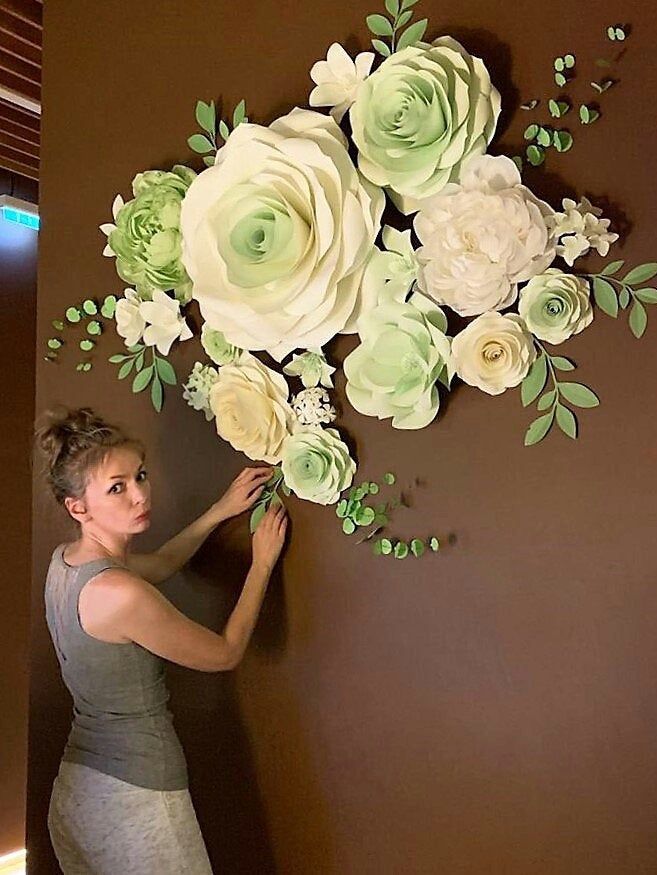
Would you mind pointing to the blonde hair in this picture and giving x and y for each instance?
(74, 442)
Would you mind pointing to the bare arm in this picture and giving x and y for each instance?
(134, 609)
(160, 565)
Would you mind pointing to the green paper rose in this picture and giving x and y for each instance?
(146, 238)
(217, 347)
(556, 305)
(420, 116)
(403, 352)
(316, 465)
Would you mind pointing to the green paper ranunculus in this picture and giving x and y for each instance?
(217, 347)
(416, 119)
(556, 305)
(316, 464)
(403, 352)
(146, 237)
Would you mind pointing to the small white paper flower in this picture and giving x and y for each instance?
(313, 407)
(166, 322)
(312, 368)
(130, 323)
(338, 79)
(196, 390)
(580, 228)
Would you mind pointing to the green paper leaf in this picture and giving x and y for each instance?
(90, 307)
(648, 295)
(389, 478)
(256, 516)
(224, 131)
(341, 509)
(434, 544)
(638, 319)
(381, 47)
(54, 343)
(57, 324)
(517, 160)
(136, 347)
(86, 366)
(559, 64)
(365, 516)
(584, 114)
(199, 143)
(374, 488)
(286, 489)
(139, 361)
(640, 274)
(125, 369)
(566, 421)
(208, 160)
(379, 25)
(605, 296)
(94, 328)
(401, 550)
(392, 6)
(412, 34)
(381, 520)
(619, 33)
(533, 384)
(142, 379)
(530, 132)
(109, 307)
(611, 33)
(544, 137)
(535, 155)
(560, 79)
(406, 4)
(546, 400)
(569, 61)
(239, 113)
(403, 19)
(348, 526)
(612, 268)
(376, 547)
(624, 297)
(115, 359)
(86, 345)
(538, 429)
(579, 395)
(156, 394)
(417, 547)
(531, 104)
(73, 314)
(206, 116)
(561, 363)
(166, 371)
(562, 141)
(386, 546)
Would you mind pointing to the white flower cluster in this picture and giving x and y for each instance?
(313, 407)
(158, 322)
(196, 390)
(580, 228)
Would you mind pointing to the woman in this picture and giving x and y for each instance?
(120, 802)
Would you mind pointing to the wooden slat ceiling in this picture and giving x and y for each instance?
(20, 85)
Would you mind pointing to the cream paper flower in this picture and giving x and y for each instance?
(313, 407)
(251, 409)
(312, 368)
(481, 237)
(338, 79)
(130, 323)
(196, 391)
(316, 464)
(494, 352)
(277, 232)
(556, 305)
(166, 322)
(578, 228)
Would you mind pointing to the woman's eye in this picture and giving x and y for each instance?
(145, 473)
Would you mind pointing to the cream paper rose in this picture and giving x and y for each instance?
(251, 409)
(556, 305)
(316, 464)
(419, 116)
(481, 237)
(494, 352)
(277, 232)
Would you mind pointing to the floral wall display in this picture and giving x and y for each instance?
(280, 240)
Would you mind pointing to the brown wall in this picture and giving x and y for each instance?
(18, 260)
(492, 709)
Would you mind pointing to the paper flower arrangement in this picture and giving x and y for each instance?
(279, 240)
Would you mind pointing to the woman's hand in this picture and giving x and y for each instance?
(269, 537)
(245, 489)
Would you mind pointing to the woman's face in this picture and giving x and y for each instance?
(118, 495)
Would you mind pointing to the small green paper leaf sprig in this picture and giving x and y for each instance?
(89, 310)
(206, 116)
(268, 497)
(159, 371)
(400, 14)
(610, 292)
(553, 399)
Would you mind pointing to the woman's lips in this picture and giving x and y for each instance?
(143, 516)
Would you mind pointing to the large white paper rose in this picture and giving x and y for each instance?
(250, 404)
(481, 237)
(277, 232)
(494, 352)
(419, 116)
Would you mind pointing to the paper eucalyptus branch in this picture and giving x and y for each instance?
(400, 15)
(206, 116)
(268, 496)
(158, 372)
(610, 293)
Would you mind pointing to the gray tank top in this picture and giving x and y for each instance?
(121, 723)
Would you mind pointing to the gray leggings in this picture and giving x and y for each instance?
(101, 825)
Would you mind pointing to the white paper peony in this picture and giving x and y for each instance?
(494, 352)
(250, 404)
(481, 237)
(277, 232)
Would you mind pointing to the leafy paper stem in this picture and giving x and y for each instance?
(159, 371)
(610, 292)
(206, 116)
(546, 366)
(400, 13)
(268, 496)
